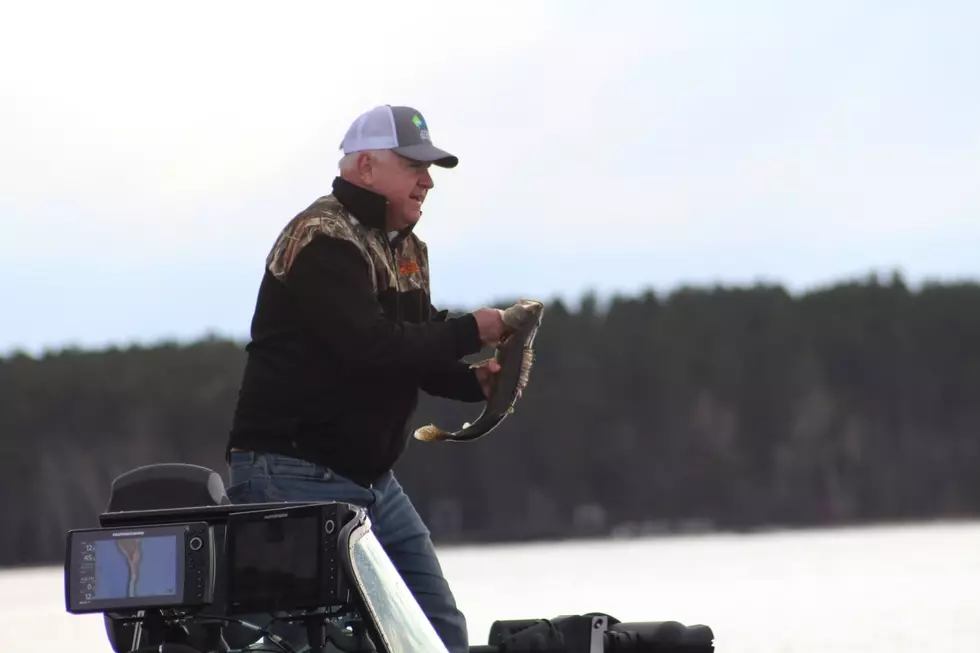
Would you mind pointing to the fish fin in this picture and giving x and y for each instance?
(430, 433)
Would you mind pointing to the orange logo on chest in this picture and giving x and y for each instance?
(408, 267)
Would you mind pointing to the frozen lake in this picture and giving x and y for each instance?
(896, 589)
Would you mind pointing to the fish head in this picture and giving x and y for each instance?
(523, 312)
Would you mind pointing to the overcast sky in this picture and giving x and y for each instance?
(150, 151)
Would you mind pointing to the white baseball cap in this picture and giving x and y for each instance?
(400, 129)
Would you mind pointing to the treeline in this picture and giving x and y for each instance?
(724, 408)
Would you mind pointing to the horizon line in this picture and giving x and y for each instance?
(601, 299)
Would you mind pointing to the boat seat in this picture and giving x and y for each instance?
(167, 485)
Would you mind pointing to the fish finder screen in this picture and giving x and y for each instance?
(274, 562)
(112, 569)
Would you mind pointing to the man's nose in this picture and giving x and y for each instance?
(425, 179)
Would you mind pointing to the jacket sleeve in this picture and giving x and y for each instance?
(330, 281)
(452, 381)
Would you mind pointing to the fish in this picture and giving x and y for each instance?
(515, 355)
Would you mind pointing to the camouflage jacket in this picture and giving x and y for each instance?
(343, 337)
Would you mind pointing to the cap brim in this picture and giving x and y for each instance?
(428, 153)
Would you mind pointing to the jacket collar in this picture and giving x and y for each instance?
(367, 207)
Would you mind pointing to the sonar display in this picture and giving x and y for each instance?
(137, 566)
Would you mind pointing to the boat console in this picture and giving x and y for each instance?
(175, 567)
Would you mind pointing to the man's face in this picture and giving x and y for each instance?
(404, 183)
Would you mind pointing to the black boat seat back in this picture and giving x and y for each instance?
(167, 485)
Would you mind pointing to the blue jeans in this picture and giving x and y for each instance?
(261, 477)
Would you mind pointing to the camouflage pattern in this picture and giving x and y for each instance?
(327, 216)
(413, 264)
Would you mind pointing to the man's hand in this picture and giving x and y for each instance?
(484, 374)
(490, 323)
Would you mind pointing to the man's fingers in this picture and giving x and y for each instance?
(491, 365)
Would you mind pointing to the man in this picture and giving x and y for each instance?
(343, 338)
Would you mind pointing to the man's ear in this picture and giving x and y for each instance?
(365, 167)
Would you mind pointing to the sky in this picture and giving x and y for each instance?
(151, 152)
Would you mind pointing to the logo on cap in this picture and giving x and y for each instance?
(419, 122)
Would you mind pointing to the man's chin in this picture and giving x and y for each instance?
(406, 220)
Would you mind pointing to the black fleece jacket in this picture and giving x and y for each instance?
(343, 338)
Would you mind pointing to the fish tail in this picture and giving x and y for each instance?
(431, 433)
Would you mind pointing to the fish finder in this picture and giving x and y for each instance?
(175, 567)
(145, 567)
(284, 558)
